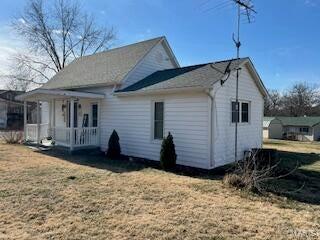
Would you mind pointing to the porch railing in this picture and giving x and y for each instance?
(32, 131)
(86, 136)
(82, 137)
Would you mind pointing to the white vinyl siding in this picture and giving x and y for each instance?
(185, 116)
(157, 59)
(249, 135)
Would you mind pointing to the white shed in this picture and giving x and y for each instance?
(272, 128)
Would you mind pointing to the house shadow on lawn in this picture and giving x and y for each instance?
(303, 184)
(97, 159)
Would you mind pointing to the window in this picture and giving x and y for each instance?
(243, 108)
(235, 112)
(94, 115)
(158, 120)
(304, 130)
(244, 112)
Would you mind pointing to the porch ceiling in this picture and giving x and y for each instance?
(46, 94)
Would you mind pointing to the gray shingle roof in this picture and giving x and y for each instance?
(108, 67)
(203, 75)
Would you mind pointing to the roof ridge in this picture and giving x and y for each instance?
(124, 46)
(203, 64)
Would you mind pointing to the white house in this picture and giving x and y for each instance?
(141, 91)
(292, 128)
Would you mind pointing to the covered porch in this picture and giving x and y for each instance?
(70, 118)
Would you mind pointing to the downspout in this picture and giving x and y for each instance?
(212, 132)
(211, 148)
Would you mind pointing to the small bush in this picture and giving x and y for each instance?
(168, 155)
(114, 149)
(255, 171)
(13, 137)
(235, 180)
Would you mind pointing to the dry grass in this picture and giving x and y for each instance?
(293, 146)
(45, 197)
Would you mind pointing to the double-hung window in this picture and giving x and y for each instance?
(240, 112)
(158, 118)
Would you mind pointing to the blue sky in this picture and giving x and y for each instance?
(283, 42)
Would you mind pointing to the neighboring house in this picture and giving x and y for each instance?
(293, 128)
(272, 128)
(141, 91)
(11, 110)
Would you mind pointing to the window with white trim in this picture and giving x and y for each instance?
(240, 112)
(158, 117)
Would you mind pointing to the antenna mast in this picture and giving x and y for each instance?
(248, 9)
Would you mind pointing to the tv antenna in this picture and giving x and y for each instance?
(245, 8)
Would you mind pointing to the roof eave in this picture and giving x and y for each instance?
(161, 91)
(35, 95)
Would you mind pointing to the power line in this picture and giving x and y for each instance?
(220, 6)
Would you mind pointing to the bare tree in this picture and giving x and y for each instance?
(56, 33)
(273, 104)
(300, 100)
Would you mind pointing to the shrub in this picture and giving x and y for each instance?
(233, 180)
(168, 155)
(13, 137)
(255, 171)
(114, 149)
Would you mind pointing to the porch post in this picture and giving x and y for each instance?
(53, 122)
(50, 118)
(25, 112)
(71, 124)
(38, 122)
(99, 121)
